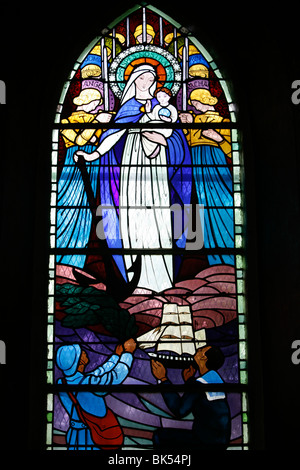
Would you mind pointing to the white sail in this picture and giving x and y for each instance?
(200, 338)
(170, 318)
(188, 347)
(176, 333)
(149, 339)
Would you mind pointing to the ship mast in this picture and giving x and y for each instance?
(174, 340)
(178, 333)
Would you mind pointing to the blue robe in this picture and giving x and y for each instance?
(74, 217)
(112, 372)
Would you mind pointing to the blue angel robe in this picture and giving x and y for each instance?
(214, 188)
(74, 217)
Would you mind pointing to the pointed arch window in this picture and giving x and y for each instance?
(146, 305)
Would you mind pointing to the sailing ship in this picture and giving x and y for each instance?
(174, 342)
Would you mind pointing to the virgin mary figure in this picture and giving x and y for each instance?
(138, 187)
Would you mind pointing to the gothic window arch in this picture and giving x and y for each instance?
(147, 246)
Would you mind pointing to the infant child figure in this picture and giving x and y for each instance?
(163, 111)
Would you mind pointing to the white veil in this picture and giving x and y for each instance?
(128, 93)
(129, 90)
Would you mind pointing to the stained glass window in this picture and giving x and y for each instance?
(146, 302)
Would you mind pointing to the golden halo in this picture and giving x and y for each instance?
(160, 70)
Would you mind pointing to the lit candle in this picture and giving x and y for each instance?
(104, 74)
(175, 43)
(114, 43)
(184, 77)
(127, 31)
(185, 67)
(144, 27)
(161, 34)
